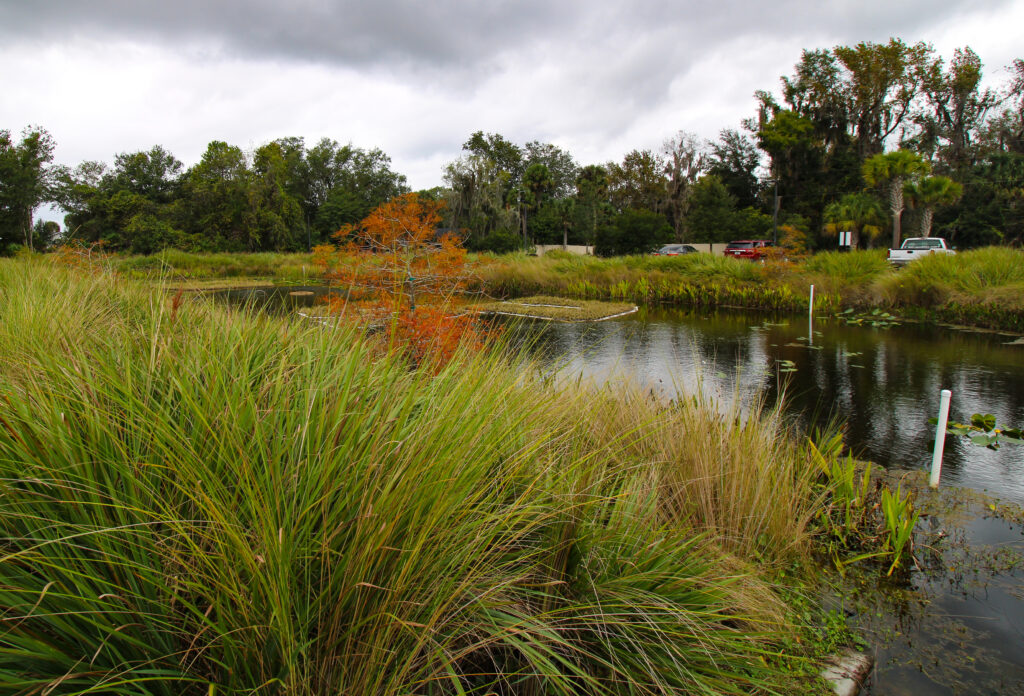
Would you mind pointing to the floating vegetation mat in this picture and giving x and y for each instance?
(557, 308)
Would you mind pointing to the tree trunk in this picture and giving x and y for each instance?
(28, 229)
(926, 222)
(896, 203)
(525, 243)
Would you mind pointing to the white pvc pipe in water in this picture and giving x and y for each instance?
(940, 437)
(810, 318)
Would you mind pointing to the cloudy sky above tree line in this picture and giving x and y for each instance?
(596, 77)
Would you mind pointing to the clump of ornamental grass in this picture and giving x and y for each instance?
(199, 501)
(980, 287)
(735, 473)
(839, 270)
(969, 271)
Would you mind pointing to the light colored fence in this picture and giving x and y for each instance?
(716, 249)
(572, 249)
(542, 249)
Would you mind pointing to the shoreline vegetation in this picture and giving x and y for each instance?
(982, 288)
(199, 500)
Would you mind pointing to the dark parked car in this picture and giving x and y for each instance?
(754, 249)
(675, 250)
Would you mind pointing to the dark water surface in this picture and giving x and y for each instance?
(957, 627)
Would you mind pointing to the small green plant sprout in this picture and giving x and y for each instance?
(876, 318)
(900, 519)
(984, 432)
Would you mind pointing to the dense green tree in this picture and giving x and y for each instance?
(751, 223)
(927, 194)
(1005, 132)
(216, 194)
(860, 214)
(537, 187)
(818, 92)
(555, 222)
(592, 209)
(77, 192)
(734, 160)
(26, 182)
(712, 214)
(956, 110)
(685, 160)
(561, 166)
(843, 105)
(477, 204)
(506, 156)
(134, 206)
(633, 232)
(45, 233)
(152, 174)
(341, 207)
(487, 199)
(797, 162)
(638, 183)
(892, 171)
(991, 210)
(340, 184)
(882, 81)
(274, 215)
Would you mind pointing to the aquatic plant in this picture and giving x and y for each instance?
(900, 519)
(983, 431)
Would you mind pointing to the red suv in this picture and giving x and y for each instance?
(754, 249)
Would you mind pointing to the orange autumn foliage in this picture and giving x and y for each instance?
(395, 272)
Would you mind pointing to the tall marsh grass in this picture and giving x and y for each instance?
(981, 287)
(175, 264)
(691, 280)
(197, 501)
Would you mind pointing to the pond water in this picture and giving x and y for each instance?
(883, 384)
(957, 625)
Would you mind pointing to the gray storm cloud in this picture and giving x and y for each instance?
(457, 33)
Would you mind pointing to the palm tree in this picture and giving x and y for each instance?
(854, 213)
(893, 170)
(929, 193)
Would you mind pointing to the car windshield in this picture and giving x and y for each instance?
(740, 245)
(670, 249)
(922, 244)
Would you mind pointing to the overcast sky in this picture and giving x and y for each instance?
(415, 78)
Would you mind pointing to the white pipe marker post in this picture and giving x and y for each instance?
(940, 437)
(810, 319)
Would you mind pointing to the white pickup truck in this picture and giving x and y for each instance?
(916, 247)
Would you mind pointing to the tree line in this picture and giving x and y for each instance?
(868, 139)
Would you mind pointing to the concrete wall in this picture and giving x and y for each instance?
(572, 249)
(716, 249)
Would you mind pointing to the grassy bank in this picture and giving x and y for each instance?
(203, 502)
(983, 287)
(177, 266)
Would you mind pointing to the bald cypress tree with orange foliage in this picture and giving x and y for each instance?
(396, 271)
